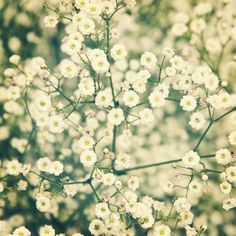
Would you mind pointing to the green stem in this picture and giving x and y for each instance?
(124, 171)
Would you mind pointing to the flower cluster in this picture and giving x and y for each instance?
(117, 141)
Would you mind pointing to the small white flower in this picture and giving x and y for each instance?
(188, 103)
(133, 183)
(86, 26)
(231, 173)
(146, 116)
(21, 231)
(50, 21)
(229, 203)
(131, 98)
(156, 99)
(43, 203)
(123, 160)
(182, 205)
(47, 230)
(44, 164)
(13, 93)
(232, 138)
(102, 210)
(14, 167)
(191, 159)
(225, 187)
(223, 156)
(56, 124)
(43, 103)
(88, 158)
(86, 142)
(56, 168)
(186, 217)
(68, 68)
(197, 120)
(162, 230)
(104, 98)
(96, 227)
(148, 60)
(14, 59)
(118, 52)
(108, 179)
(115, 116)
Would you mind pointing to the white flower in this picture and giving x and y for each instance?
(22, 185)
(108, 7)
(50, 21)
(229, 203)
(118, 52)
(156, 99)
(182, 205)
(68, 68)
(231, 173)
(108, 179)
(197, 120)
(186, 217)
(88, 158)
(13, 93)
(170, 71)
(146, 221)
(198, 25)
(232, 138)
(47, 230)
(133, 183)
(86, 87)
(131, 197)
(14, 167)
(225, 100)
(225, 187)
(123, 160)
(162, 230)
(190, 231)
(146, 116)
(70, 189)
(96, 227)
(43, 203)
(43, 103)
(86, 142)
(102, 210)
(195, 187)
(148, 60)
(179, 28)
(14, 59)
(100, 65)
(56, 168)
(223, 156)
(86, 26)
(191, 159)
(212, 82)
(188, 103)
(177, 62)
(44, 164)
(131, 98)
(159, 206)
(56, 124)
(81, 4)
(115, 116)
(21, 231)
(104, 98)
(93, 9)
